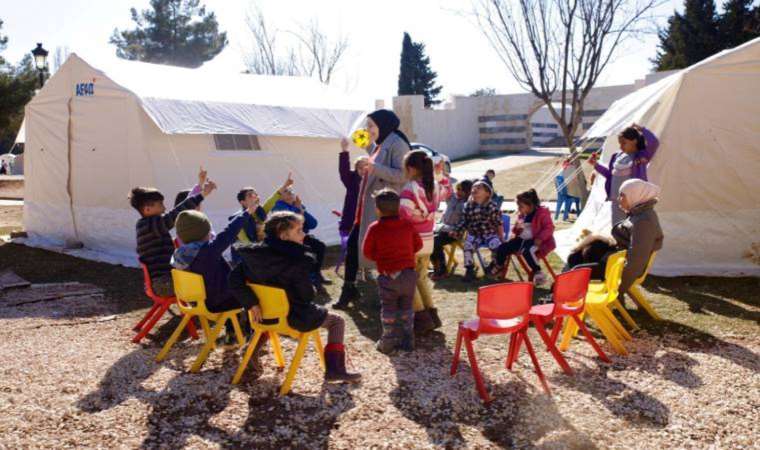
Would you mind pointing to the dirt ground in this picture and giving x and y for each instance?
(11, 219)
(71, 378)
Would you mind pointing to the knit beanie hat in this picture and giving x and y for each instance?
(485, 183)
(192, 226)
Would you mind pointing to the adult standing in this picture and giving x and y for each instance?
(384, 170)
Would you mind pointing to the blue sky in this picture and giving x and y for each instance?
(457, 49)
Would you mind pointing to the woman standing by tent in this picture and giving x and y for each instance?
(637, 148)
(384, 170)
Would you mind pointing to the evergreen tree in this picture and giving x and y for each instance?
(175, 32)
(738, 23)
(415, 76)
(3, 44)
(17, 85)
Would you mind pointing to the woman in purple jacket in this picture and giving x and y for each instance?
(637, 148)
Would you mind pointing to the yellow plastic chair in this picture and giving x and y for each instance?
(191, 299)
(451, 256)
(638, 295)
(601, 299)
(274, 312)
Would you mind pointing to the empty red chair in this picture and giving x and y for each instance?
(160, 305)
(569, 297)
(502, 309)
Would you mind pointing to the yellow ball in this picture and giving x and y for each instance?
(361, 138)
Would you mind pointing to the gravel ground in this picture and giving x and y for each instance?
(70, 377)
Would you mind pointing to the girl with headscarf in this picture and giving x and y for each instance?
(637, 148)
(384, 170)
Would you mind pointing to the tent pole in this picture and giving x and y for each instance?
(69, 190)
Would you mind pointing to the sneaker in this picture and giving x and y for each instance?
(539, 279)
(348, 294)
(322, 280)
(385, 346)
(470, 275)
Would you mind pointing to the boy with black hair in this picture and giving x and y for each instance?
(392, 243)
(154, 243)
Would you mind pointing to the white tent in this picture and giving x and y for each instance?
(707, 118)
(94, 133)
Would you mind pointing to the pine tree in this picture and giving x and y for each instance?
(3, 44)
(175, 32)
(415, 75)
(737, 24)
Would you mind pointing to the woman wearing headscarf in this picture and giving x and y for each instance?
(639, 234)
(384, 170)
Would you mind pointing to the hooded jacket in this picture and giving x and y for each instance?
(543, 229)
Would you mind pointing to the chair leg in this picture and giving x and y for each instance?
(525, 267)
(320, 349)
(515, 350)
(479, 384)
(607, 329)
(551, 347)
(567, 334)
(457, 351)
(536, 366)
(591, 339)
(238, 331)
(246, 357)
(207, 346)
(277, 349)
(556, 328)
(205, 326)
(517, 271)
(627, 317)
(173, 338)
(192, 329)
(618, 327)
(549, 268)
(642, 302)
(142, 321)
(302, 342)
(151, 323)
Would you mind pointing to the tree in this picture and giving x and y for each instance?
(3, 44)
(484, 92)
(557, 49)
(310, 53)
(17, 86)
(738, 23)
(415, 75)
(175, 32)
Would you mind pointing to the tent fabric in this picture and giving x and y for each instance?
(707, 165)
(87, 147)
(21, 136)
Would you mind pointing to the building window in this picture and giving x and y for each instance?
(236, 142)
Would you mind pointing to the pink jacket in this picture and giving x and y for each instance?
(543, 229)
(416, 208)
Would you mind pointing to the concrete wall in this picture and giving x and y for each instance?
(495, 124)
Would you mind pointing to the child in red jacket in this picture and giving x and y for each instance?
(392, 243)
(533, 235)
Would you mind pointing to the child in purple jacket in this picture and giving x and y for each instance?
(637, 148)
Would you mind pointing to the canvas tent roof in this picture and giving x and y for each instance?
(207, 101)
(706, 117)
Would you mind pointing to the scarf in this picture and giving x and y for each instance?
(639, 191)
(387, 122)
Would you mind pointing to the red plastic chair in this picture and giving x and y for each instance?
(526, 268)
(160, 306)
(502, 309)
(569, 298)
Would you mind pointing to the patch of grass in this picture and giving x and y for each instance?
(511, 182)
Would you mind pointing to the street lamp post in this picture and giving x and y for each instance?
(40, 61)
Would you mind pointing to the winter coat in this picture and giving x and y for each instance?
(542, 227)
(639, 169)
(309, 221)
(281, 264)
(392, 243)
(420, 212)
(388, 173)
(352, 181)
(641, 235)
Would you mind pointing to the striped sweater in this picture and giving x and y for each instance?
(154, 243)
(417, 209)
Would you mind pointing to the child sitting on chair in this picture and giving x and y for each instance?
(533, 236)
(392, 243)
(289, 201)
(481, 219)
(202, 254)
(283, 261)
(154, 243)
(444, 233)
(253, 228)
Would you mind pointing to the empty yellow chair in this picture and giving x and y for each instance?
(274, 313)
(191, 299)
(600, 300)
(638, 295)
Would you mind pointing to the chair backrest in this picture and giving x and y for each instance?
(505, 224)
(147, 282)
(614, 272)
(273, 303)
(643, 276)
(570, 288)
(188, 286)
(505, 301)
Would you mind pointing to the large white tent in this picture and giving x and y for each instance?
(707, 118)
(95, 131)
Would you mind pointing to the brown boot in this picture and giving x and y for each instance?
(423, 322)
(434, 316)
(335, 360)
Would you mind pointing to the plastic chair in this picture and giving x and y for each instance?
(450, 250)
(569, 300)
(505, 223)
(638, 296)
(601, 297)
(160, 306)
(274, 311)
(502, 309)
(191, 299)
